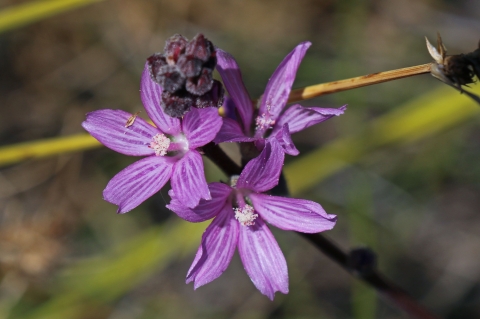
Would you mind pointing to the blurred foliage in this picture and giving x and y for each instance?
(399, 168)
(53, 146)
(18, 16)
(427, 115)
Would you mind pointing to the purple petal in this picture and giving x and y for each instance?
(231, 132)
(262, 258)
(137, 182)
(201, 126)
(299, 117)
(232, 79)
(284, 138)
(293, 214)
(188, 179)
(151, 95)
(206, 209)
(108, 126)
(262, 173)
(229, 108)
(280, 83)
(216, 250)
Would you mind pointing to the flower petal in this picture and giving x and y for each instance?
(284, 138)
(188, 179)
(201, 126)
(299, 117)
(262, 173)
(151, 95)
(281, 81)
(231, 132)
(216, 250)
(293, 214)
(262, 258)
(137, 182)
(229, 108)
(108, 126)
(206, 209)
(232, 79)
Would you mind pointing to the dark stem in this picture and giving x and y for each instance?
(370, 275)
(218, 156)
(360, 262)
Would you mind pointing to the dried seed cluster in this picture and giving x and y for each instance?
(184, 70)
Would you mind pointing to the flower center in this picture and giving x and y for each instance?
(160, 144)
(264, 122)
(245, 215)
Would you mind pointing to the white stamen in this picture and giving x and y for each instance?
(264, 122)
(160, 144)
(245, 215)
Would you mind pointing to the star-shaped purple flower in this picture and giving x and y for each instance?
(270, 122)
(240, 212)
(170, 147)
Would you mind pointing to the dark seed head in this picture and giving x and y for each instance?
(184, 70)
(170, 78)
(199, 48)
(174, 47)
(213, 98)
(201, 84)
(189, 66)
(155, 63)
(176, 105)
(457, 68)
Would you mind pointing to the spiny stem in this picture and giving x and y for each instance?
(353, 83)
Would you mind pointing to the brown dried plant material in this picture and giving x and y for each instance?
(455, 70)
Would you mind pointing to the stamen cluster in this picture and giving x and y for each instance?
(246, 215)
(160, 144)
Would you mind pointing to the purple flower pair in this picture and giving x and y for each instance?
(239, 209)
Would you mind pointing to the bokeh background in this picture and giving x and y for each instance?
(400, 168)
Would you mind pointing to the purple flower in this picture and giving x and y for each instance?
(270, 120)
(170, 147)
(240, 212)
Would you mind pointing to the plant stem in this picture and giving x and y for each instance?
(372, 277)
(353, 83)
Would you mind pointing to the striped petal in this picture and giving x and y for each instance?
(137, 182)
(108, 127)
(280, 83)
(293, 214)
(200, 126)
(299, 117)
(206, 209)
(231, 131)
(188, 180)
(216, 250)
(232, 79)
(262, 258)
(151, 95)
(262, 173)
(284, 138)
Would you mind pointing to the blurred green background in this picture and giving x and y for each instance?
(399, 168)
